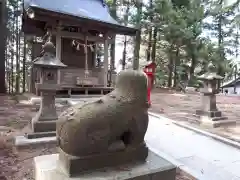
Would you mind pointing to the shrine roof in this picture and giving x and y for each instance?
(95, 10)
(231, 83)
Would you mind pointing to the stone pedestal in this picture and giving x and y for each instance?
(155, 168)
(216, 121)
(45, 119)
(209, 113)
(72, 165)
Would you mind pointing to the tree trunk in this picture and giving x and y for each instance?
(17, 57)
(2, 46)
(149, 45)
(11, 63)
(31, 82)
(124, 58)
(139, 5)
(170, 67)
(112, 50)
(220, 38)
(150, 32)
(124, 53)
(114, 15)
(155, 32)
(192, 68)
(176, 64)
(220, 45)
(8, 63)
(24, 65)
(236, 56)
(112, 54)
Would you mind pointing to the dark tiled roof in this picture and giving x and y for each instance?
(95, 10)
(231, 83)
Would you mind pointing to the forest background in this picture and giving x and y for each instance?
(181, 37)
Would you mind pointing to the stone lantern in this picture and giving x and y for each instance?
(209, 113)
(48, 67)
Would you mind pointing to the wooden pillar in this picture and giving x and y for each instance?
(86, 71)
(59, 50)
(105, 61)
(58, 44)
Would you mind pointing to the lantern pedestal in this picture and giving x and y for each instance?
(211, 117)
(45, 119)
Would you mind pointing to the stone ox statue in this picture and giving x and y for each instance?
(107, 132)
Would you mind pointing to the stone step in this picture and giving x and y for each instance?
(40, 134)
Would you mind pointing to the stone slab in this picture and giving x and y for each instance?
(44, 126)
(216, 122)
(155, 168)
(40, 134)
(211, 114)
(22, 142)
(37, 100)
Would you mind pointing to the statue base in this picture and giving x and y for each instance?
(155, 168)
(40, 135)
(211, 114)
(23, 142)
(214, 119)
(72, 165)
(44, 132)
(44, 126)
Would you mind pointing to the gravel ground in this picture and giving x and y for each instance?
(14, 120)
(182, 107)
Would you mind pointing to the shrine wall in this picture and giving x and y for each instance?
(75, 58)
(70, 55)
(75, 61)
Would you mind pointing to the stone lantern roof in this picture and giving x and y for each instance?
(210, 74)
(49, 58)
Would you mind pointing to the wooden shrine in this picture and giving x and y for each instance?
(77, 28)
